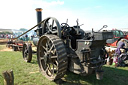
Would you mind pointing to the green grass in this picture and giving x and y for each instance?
(28, 73)
(24, 73)
(112, 76)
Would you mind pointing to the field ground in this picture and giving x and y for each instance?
(28, 73)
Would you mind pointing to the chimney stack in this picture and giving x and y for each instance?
(39, 16)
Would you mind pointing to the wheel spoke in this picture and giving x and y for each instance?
(48, 42)
(26, 51)
(52, 24)
(53, 69)
(51, 48)
(44, 48)
(26, 48)
(41, 58)
(53, 51)
(52, 57)
(54, 31)
(45, 52)
(48, 27)
(24, 54)
(56, 62)
(48, 70)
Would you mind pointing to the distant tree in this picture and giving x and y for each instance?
(23, 29)
(6, 33)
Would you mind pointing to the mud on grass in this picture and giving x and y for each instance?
(2, 47)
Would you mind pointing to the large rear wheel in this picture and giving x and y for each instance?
(52, 57)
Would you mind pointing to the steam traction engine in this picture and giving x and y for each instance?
(61, 47)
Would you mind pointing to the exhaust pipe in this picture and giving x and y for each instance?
(39, 19)
(39, 16)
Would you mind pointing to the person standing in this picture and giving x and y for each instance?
(26, 37)
(119, 58)
(120, 45)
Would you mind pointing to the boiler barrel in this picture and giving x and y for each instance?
(35, 40)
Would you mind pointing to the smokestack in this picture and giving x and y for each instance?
(39, 16)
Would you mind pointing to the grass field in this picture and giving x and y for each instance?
(28, 73)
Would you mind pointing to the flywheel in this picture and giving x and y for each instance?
(52, 57)
(51, 26)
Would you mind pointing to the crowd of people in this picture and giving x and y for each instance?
(8, 36)
(26, 37)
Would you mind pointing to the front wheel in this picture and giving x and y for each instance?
(27, 52)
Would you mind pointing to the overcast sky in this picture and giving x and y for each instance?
(16, 14)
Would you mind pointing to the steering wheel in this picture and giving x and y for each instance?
(65, 29)
(64, 25)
